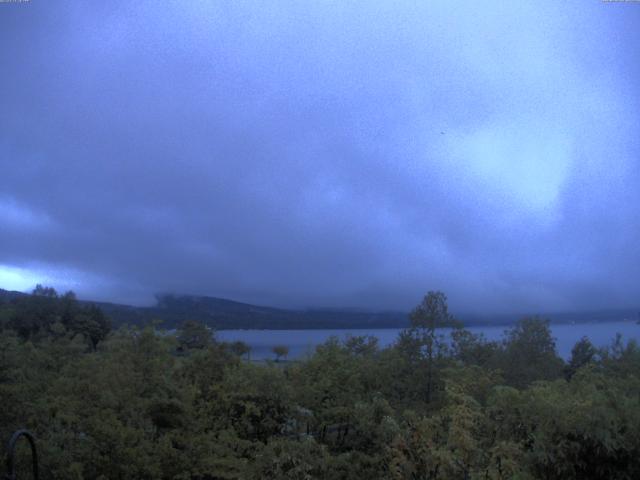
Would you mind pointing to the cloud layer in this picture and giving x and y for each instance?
(327, 154)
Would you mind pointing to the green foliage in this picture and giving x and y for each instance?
(473, 349)
(432, 313)
(133, 404)
(44, 314)
(285, 460)
(530, 353)
(194, 335)
(422, 344)
(583, 353)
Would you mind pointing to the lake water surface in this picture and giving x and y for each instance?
(303, 342)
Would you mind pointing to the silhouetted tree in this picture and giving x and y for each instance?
(41, 291)
(432, 313)
(280, 351)
(240, 348)
(582, 353)
(68, 308)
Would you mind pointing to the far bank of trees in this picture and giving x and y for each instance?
(139, 404)
(44, 314)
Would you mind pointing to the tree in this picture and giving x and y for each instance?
(41, 291)
(280, 351)
(432, 313)
(530, 353)
(68, 308)
(90, 322)
(364, 345)
(240, 349)
(99, 326)
(582, 353)
(33, 315)
(473, 349)
(194, 335)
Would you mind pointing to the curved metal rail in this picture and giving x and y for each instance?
(11, 451)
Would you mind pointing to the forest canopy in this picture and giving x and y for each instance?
(140, 403)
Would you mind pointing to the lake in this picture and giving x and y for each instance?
(302, 343)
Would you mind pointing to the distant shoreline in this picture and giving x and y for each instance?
(394, 327)
(223, 314)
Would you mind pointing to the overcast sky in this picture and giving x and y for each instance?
(323, 153)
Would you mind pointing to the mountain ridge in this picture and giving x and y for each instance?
(224, 314)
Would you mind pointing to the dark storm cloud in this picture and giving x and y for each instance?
(323, 154)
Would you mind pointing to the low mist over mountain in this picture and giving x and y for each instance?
(227, 314)
(219, 313)
(171, 310)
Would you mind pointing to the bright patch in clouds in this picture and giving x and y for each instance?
(317, 154)
(25, 279)
(12, 278)
(526, 169)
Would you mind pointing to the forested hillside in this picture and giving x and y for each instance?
(226, 314)
(139, 404)
(171, 310)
